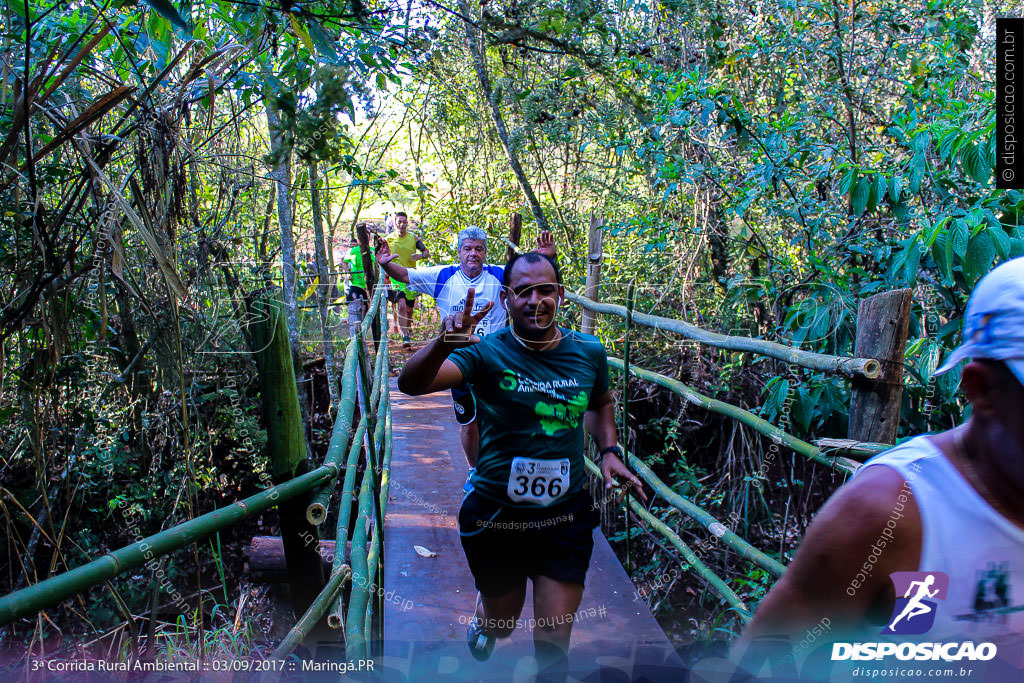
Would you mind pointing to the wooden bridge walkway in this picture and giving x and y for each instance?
(430, 599)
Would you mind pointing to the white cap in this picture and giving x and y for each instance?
(994, 322)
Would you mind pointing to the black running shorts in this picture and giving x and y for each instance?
(505, 545)
(465, 403)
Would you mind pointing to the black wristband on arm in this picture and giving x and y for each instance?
(611, 449)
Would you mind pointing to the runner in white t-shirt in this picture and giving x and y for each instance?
(449, 286)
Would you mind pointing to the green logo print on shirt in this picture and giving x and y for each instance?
(554, 417)
(508, 381)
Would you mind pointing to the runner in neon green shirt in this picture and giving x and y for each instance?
(409, 249)
(355, 294)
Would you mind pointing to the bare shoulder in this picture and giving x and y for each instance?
(867, 502)
(864, 516)
(869, 528)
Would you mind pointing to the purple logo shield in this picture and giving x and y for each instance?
(916, 595)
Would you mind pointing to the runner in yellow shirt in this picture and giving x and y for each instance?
(409, 249)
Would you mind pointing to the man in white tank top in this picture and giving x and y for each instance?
(946, 509)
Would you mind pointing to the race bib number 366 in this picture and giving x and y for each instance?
(540, 482)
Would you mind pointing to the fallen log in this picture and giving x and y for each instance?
(265, 561)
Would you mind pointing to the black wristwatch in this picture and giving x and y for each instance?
(611, 449)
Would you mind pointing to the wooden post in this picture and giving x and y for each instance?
(515, 229)
(882, 322)
(369, 270)
(286, 446)
(592, 291)
(606, 508)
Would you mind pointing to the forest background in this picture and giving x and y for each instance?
(759, 168)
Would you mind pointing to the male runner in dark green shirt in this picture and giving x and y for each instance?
(529, 514)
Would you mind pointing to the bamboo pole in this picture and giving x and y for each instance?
(354, 640)
(363, 571)
(335, 618)
(865, 367)
(316, 511)
(856, 450)
(630, 293)
(713, 580)
(385, 486)
(347, 491)
(714, 527)
(57, 588)
(372, 567)
(286, 443)
(316, 610)
(373, 308)
(844, 465)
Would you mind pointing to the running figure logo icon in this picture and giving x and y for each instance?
(914, 612)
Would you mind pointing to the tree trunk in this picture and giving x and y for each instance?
(282, 175)
(286, 446)
(325, 283)
(476, 51)
(283, 180)
(882, 324)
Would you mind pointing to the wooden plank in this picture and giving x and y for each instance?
(265, 561)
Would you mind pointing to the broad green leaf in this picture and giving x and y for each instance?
(848, 180)
(916, 172)
(1000, 240)
(878, 191)
(859, 198)
(978, 260)
(895, 187)
(974, 218)
(1016, 247)
(958, 233)
(301, 32)
(946, 142)
(975, 163)
(913, 262)
(803, 407)
(942, 252)
(935, 231)
(324, 43)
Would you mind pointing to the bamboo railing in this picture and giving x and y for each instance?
(865, 367)
(826, 453)
(810, 451)
(371, 435)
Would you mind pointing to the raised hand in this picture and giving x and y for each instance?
(546, 244)
(383, 252)
(457, 329)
